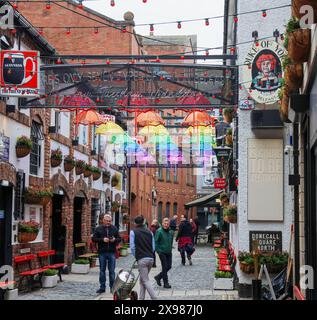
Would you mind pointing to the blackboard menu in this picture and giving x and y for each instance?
(4, 155)
(268, 240)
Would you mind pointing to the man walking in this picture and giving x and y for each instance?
(142, 246)
(163, 246)
(184, 238)
(107, 237)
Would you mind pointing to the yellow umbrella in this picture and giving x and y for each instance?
(110, 128)
(198, 130)
(153, 130)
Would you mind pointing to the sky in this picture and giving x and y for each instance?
(170, 10)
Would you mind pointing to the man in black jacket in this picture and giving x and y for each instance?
(107, 237)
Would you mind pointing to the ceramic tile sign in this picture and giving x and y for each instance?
(268, 241)
(19, 73)
(262, 71)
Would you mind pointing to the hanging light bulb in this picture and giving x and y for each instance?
(108, 61)
(15, 5)
(112, 3)
(41, 32)
(48, 5)
(58, 61)
(232, 50)
(207, 52)
(68, 31)
(158, 59)
(96, 31)
(124, 29)
(207, 22)
(151, 27)
(264, 13)
(80, 5)
(235, 19)
(144, 1)
(179, 25)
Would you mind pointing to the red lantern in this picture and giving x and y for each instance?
(235, 19)
(207, 22)
(179, 25)
(112, 3)
(48, 5)
(151, 27)
(264, 13)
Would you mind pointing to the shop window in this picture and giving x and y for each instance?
(175, 175)
(35, 155)
(160, 211)
(160, 173)
(174, 208)
(168, 174)
(168, 208)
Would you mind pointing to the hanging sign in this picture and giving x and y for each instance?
(246, 104)
(268, 241)
(19, 73)
(222, 153)
(220, 183)
(262, 71)
(107, 117)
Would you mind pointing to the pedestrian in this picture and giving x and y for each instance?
(154, 227)
(107, 237)
(194, 228)
(184, 238)
(196, 220)
(142, 246)
(173, 224)
(163, 245)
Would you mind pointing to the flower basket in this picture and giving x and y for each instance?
(284, 107)
(69, 163)
(45, 200)
(24, 237)
(114, 181)
(232, 219)
(56, 158)
(299, 44)
(55, 162)
(294, 77)
(106, 177)
(96, 173)
(246, 268)
(230, 213)
(297, 4)
(87, 171)
(22, 151)
(37, 195)
(80, 167)
(229, 140)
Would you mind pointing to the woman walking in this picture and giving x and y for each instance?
(154, 227)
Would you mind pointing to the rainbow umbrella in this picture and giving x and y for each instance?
(153, 130)
(110, 128)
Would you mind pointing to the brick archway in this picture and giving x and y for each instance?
(81, 186)
(60, 181)
(8, 172)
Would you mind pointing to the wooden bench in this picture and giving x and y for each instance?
(81, 251)
(28, 271)
(45, 262)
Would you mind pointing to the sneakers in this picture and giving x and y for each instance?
(158, 281)
(99, 291)
(167, 286)
(190, 262)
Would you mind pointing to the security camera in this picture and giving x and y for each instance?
(288, 149)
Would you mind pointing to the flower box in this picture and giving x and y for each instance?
(80, 268)
(23, 146)
(25, 237)
(69, 164)
(223, 284)
(49, 281)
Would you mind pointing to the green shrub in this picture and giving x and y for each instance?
(292, 25)
(82, 261)
(24, 141)
(223, 274)
(50, 272)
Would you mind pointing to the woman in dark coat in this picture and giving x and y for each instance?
(153, 228)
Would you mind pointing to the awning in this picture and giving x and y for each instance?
(203, 200)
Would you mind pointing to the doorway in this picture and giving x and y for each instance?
(78, 210)
(5, 225)
(58, 230)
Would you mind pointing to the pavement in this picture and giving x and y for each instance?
(188, 282)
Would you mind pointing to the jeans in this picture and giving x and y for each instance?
(166, 262)
(145, 266)
(103, 259)
(182, 252)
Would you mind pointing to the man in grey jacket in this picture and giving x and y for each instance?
(142, 246)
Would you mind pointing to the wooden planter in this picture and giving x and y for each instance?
(275, 268)
(297, 4)
(114, 182)
(246, 268)
(231, 219)
(55, 162)
(87, 173)
(22, 151)
(25, 237)
(96, 175)
(68, 166)
(229, 140)
(294, 77)
(299, 45)
(79, 170)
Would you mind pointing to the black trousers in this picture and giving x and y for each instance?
(166, 262)
(183, 252)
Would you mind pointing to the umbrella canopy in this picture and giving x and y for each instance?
(110, 128)
(153, 130)
(198, 118)
(149, 118)
(88, 117)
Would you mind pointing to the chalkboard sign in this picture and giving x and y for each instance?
(268, 240)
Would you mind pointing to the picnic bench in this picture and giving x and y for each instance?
(45, 262)
(26, 270)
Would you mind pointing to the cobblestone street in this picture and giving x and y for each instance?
(188, 282)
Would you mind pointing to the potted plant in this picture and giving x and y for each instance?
(223, 280)
(87, 171)
(123, 251)
(230, 213)
(49, 278)
(69, 163)
(224, 199)
(56, 157)
(246, 262)
(298, 4)
(124, 209)
(293, 74)
(81, 266)
(229, 140)
(125, 219)
(28, 231)
(114, 181)
(96, 173)
(115, 206)
(106, 175)
(80, 166)
(38, 195)
(298, 41)
(23, 146)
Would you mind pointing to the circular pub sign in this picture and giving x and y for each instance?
(262, 71)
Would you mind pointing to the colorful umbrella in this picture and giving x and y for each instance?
(198, 118)
(88, 117)
(153, 130)
(149, 118)
(110, 128)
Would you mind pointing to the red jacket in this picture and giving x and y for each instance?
(183, 241)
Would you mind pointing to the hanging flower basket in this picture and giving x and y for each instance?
(80, 167)
(69, 163)
(230, 213)
(38, 195)
(96, 173)
(115, 206)
(56, 158)
(23, 147)
(246, 268)
(114, 181)
(106, 175)
(299, 44)
(284, 107)
(87, 171)
(28, 231)
(124, 209)
(294, 76)
(297, 4)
